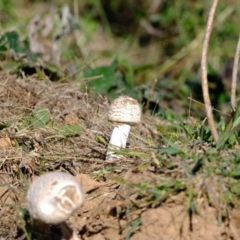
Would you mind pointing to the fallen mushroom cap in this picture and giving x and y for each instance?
(53, 197)
(125, 109)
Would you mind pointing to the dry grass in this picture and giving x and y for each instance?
(27, 150)
(183, 186)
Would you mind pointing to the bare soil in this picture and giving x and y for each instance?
(113, 208)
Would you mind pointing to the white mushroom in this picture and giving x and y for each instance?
(52, 198)
(124, 112)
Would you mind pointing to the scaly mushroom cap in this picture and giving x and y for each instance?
(53, 197)
(125, 109)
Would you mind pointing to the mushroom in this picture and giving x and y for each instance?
(51, 200)
(124, 112)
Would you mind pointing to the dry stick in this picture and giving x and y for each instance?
(214, 109)
(234, 75)
(151, 93)
(205, 89)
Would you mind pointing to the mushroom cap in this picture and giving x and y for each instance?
(125, 109)
(53, 197)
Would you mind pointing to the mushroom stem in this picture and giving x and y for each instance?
(41, 230)
(68, 232)
(118, 140)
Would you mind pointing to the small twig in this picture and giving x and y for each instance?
(205, 89)
(190, 106)
(126, 177)
(154, 6)
(155, 81)
(150, 29)
(74, 73)
(214, 109)
(234, 75)
(76, 9)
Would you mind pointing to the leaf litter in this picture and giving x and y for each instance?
(153, 192)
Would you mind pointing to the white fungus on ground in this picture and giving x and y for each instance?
(124, 112)
(51, 200)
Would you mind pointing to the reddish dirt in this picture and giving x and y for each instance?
(99, 219)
